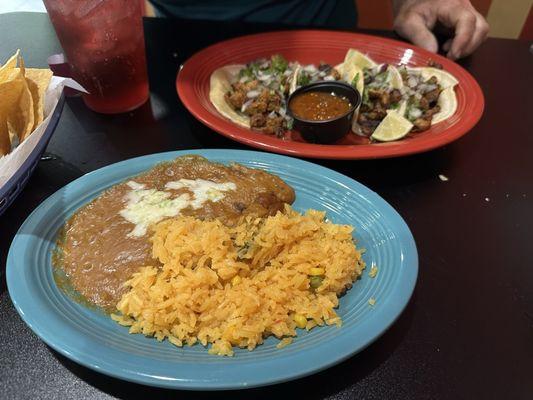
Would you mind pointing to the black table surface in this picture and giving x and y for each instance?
(468, 330)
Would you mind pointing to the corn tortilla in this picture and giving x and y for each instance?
(220, 83)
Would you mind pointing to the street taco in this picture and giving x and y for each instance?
(254, 95)
(421, 96)
(380, 86)
(430, 96)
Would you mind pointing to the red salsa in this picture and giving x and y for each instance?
(319, 106)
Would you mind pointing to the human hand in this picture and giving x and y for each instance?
(415, 19)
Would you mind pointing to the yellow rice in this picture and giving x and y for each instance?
(235, 286)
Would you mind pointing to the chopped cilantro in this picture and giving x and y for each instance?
(290, 122)
(246, 72)
(250, 70)
(278, 63)
(303, 79)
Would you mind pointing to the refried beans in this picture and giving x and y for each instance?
(107, 240)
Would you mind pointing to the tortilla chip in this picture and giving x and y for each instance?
(10, 93)
(21, 101)
(38, 81)
(8, 67)
(5, 143)
(25, 106)
(20, 118)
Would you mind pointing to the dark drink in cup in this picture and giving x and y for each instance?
(104, 44)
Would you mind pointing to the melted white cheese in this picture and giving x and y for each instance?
(145, 207)
(202, 189)
(135, 185)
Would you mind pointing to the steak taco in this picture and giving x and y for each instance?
(254, 95)
(380, 86)
(430, 96)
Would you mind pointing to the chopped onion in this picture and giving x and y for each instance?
(415, 113)
(252, 94)
(272, 114)
(309, 68)
(329, 78)
(246, 105)
(264, 65)
(322, 74)
(411, 82)
(282, 112)
(244, 79)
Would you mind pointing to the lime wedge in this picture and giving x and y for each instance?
(355, 57)
(393, 127)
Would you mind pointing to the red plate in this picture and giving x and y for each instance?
(312, 46)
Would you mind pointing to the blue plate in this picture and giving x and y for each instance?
(92, 339)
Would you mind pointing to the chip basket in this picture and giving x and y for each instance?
(15, 184)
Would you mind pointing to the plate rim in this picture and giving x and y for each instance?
(340, 152)
(12, 273)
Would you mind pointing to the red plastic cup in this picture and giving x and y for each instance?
(104, 44)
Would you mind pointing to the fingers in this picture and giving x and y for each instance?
(480, 34)
(415, 19)
(413, 27)
(446, 46)
(465, 27)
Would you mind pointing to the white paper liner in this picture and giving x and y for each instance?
(10, 163)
